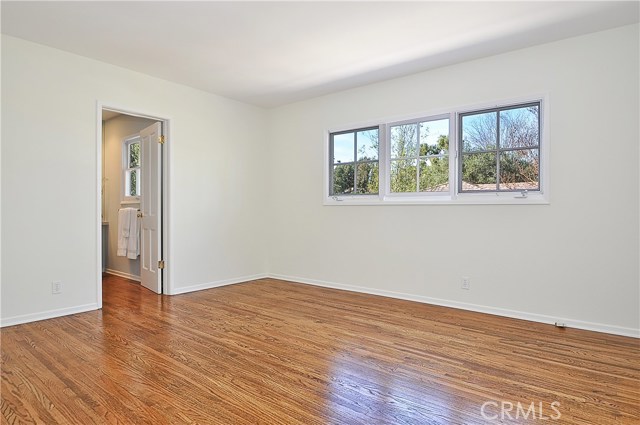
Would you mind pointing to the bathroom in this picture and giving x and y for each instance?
(121, 187)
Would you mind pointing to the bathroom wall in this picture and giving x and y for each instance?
(115, 131)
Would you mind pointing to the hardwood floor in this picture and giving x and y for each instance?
(275, 352)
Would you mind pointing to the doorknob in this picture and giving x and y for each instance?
(140, 215)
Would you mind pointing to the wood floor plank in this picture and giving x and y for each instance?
(276, 352)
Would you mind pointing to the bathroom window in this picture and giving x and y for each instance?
(131, 168)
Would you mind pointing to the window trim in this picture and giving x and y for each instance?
(453, 197)
(126, 142)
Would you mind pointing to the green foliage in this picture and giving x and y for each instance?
(479, 168)
(403, 176)
(367, 178)
(433, 172)
(133, 183)
(134, 161)
(441, 147)
(343, 176)
(134, 155)
(517, 167)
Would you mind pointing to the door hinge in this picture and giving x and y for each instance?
(161, 264)
(161, 139)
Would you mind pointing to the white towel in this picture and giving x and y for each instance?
(133, 243)
(123, 231)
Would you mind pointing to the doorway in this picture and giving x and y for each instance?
(132, 197)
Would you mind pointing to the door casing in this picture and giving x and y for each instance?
(164, 192)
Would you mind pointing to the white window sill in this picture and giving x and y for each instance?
(465, 199)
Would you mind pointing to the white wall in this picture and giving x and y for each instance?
(115, 131)
(246, 188)
(50, 165)
(575, 260)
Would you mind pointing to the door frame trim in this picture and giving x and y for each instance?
(165, 191)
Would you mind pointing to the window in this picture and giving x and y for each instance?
(131, 168)
(354, 162)
(495, 155)
(419, 156)
(500, 149)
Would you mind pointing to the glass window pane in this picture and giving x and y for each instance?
(367, 178)
(367, 144)
(404, 140)
(434, 174)
(343, 147)
(404, 176)
(127, 183)
(134, 155)
(479, 171)
(520, 170)
(134, 184)
(479, 132)
(519, 127)
(343, 176)
(434, 137)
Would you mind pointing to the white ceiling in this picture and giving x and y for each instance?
(272, 53)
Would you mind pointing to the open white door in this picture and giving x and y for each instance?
(150, 208)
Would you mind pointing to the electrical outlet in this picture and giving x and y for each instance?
(466, 283)
(56, 287)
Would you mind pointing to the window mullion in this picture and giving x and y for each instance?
(383, 162)
(417, 157)
(498, 150)
(355, 162)
(331, 166)
(452, 151)
(520, 148)
(460, 151)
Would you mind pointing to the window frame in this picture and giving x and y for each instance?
(355, 161)
(388, 193)
(126, 143)
(454, 196)
(498, 150)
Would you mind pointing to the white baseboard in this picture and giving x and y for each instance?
(123, 274)
(571, 323)
(216, 284)
(50, 314)
(26, 318)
